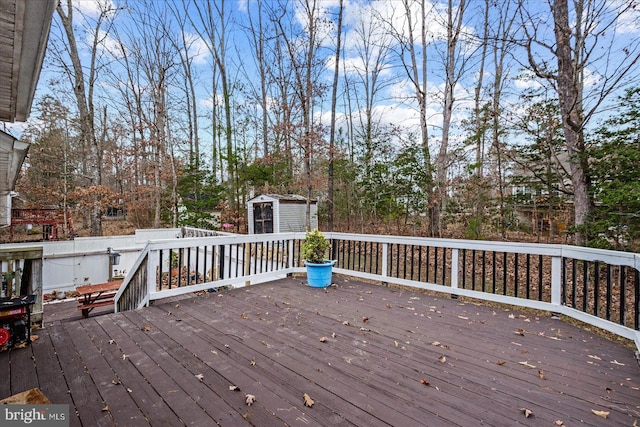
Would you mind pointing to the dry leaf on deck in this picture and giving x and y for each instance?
(424, 382)
(252, 362)
(249, 399)
(559, 422)
(541, 374)
(106, 408)
(442, 358)
(603, 414)
(308, 401)
(112, 341)
(527, 412)
(116, 382)
(234, 388)
(146, 328)
(365, 319)
(501, 362)
(345, 323)
(323, 339)
(200, 377)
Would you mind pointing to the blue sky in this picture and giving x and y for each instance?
(395, 103)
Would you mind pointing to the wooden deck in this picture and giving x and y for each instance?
(367, 355)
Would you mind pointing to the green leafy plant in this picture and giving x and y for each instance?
(315, 247)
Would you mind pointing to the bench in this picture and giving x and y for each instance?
(98, 295)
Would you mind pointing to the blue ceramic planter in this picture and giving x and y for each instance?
(319, 275)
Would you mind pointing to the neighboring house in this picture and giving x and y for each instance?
(541, 194)
(24, 31)
(276, 213)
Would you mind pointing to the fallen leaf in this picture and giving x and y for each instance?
(501, 362)
(365, 319)
(463, 318)
(615, 362)
(603, 414)
(200, 377)
(34, 337)
(124, 356)
(396, 344)
(527, 412)
(436, 343)
(146, 328)
(527, 364)
(252, 362)
(594, 357)
(512, 316)
(116, 382)
(177, 305)
(424, 382)
(129, 390)
(249, 399)
(308, 401)
(519, 331)
(323, 339)
(442, 358)
(234, 388)
(541, 374)
(345, 323)
(106, 408)
(112, 341)
(244, 316)
(558, 422)
(333, 335)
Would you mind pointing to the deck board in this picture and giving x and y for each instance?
(381, 342)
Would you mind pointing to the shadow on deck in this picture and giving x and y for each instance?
(367, 355)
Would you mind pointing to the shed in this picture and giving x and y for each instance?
(277, 213)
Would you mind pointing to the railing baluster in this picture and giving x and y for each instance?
(493, 272)
(585, 285)
(636, 305)
(528, 278)
(427, 265)
(420, 263)
(404, 264)
(412, 260)
(596, 287)
(435, 265)
(484, 271)
(464, 268)
(473, 269)
(574, 282)
(444, 266)
(608, 296)
(515, 274)
(504, 273)
(623, 295)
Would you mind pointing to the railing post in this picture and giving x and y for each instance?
(556, 280)
(152, 271)
(455, 259)
(385, 255)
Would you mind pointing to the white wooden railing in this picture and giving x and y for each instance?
(598, 287)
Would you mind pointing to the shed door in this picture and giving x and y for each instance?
(263, 218)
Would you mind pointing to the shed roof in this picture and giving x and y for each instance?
(283, 198)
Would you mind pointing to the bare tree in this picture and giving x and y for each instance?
(584, 41)
(83, 88)
(332, 131)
